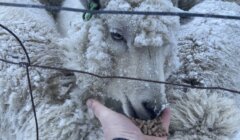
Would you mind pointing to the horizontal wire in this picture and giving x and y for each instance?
(136, 79)
(156, 13)
(57, 8)
(122, 77)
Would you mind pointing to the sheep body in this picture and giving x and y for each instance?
(208, 50)
(58, 117)
(59, 95)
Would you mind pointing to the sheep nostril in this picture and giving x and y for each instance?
(151, 109)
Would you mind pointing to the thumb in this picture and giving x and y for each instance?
(165, 119)
(100, 111)
(114, 124)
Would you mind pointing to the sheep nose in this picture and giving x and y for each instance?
(152, 110)
(148, 112)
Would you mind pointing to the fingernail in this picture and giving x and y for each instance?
(89, 103)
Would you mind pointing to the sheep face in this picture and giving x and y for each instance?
(131, 46)
(139, 48)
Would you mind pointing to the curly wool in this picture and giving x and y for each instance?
(59, 103)
(92, 50)
(208, 58)
(58, 96)
(200, 115)
(58, 117)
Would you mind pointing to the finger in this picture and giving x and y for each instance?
(166, 118)
(99, 110)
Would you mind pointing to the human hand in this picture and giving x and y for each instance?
(116, 125)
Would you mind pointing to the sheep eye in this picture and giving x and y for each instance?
(116, 36)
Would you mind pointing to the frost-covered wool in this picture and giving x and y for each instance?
(145, 51)
(208, 50)
(100, 29)
(198, 115)
(58, 116)
(86, 46)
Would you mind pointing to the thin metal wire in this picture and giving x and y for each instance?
(18, 40)
(153, 13)
(136, 79)
(57, 8)
(32, 100)
(124, 78)
(26, 64)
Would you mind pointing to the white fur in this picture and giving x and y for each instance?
(201, 116)
(148, 52)
(86, 46)
(58, 117)
(208, 52)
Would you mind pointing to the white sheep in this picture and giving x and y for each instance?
(123, 45)
(73, 27)
(57, 116)
(107, 45)
(208, 50)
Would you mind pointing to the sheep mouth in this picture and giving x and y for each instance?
(150, 112)
(154, 111)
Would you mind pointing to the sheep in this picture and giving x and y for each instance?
(210, 117)
(37, 30)
(208, 50)
(106, 45)
(143, 52)
(208, 53)
(72, 26)
(122, 45)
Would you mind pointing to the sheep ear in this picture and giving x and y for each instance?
(101, 3)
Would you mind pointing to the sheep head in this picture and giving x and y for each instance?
(130, 46)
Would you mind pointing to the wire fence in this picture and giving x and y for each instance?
(112, 12)
(28, 64)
